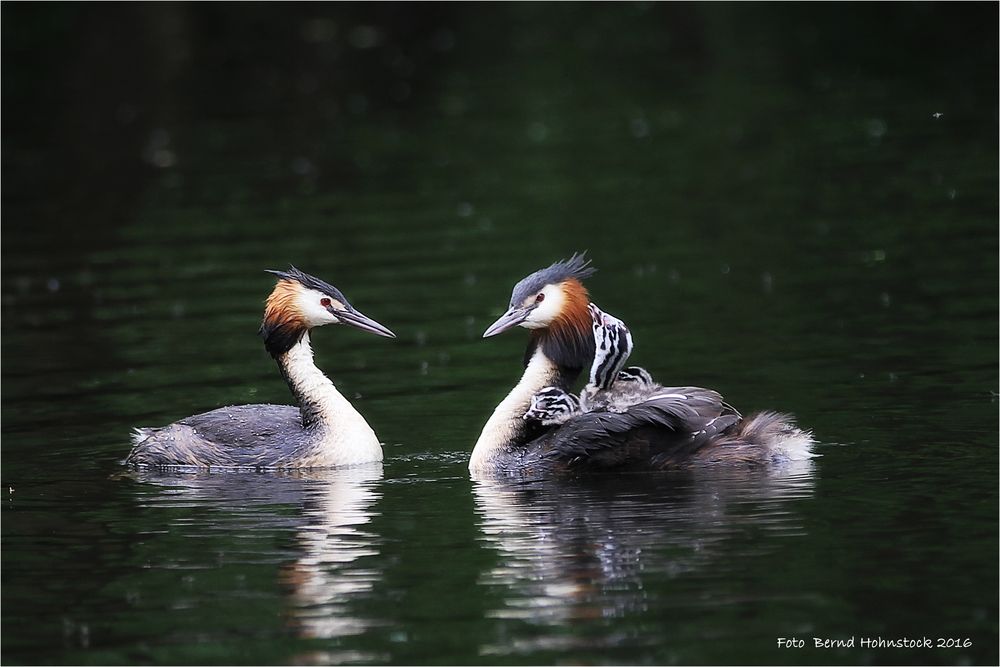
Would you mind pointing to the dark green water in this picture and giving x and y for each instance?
(774, 210)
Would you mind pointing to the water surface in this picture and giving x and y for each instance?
(773, 207)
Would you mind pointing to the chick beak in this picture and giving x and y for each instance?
(511, 318)
(358, 320)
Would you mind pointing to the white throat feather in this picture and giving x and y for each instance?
(505, 428)
(348, 439)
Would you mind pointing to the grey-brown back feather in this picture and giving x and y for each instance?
(242, 436)
(673, 417)
(676, 427)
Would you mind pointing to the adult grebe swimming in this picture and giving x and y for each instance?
(324, 431)
(632, 422)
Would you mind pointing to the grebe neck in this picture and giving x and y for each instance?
(342, 434)
(506, 430)
(319, 401)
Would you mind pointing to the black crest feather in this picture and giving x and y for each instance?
(577, 266)
(311, 282)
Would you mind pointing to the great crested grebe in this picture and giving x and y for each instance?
(324, 431)
(655, 427)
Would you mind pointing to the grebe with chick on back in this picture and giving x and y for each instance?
(323, 431)
(623, 418)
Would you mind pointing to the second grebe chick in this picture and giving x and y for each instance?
(635, 374)
(323, 431)
(632, 386)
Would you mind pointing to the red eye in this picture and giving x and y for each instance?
(324, 302)
(539, 298)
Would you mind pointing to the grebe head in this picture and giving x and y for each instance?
(551, 297)
(300, 302)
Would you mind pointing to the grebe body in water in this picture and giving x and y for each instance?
(323, 431)
(629, 423)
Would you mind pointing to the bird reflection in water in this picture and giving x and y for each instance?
(598, 546)
(331, 510)
(327, 577)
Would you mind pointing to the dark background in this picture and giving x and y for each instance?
(795, 204)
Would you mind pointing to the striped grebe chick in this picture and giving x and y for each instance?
(552, 405)
(636, 374)
(612, 347)
(323, 431)
(667, 427)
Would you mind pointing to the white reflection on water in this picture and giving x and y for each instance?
(326, 511)
(325, 579)
(588, 548)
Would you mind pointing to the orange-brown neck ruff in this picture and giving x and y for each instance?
(283, 323)
(568, 341)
